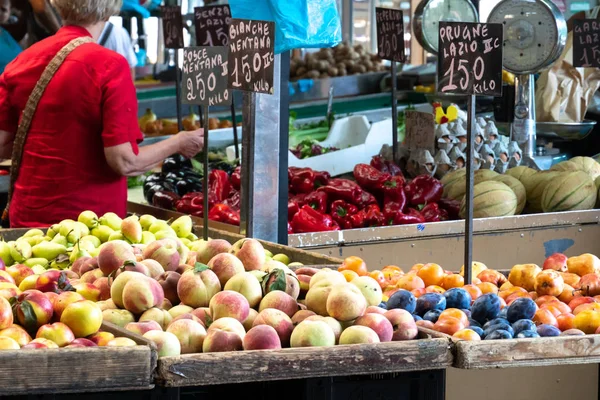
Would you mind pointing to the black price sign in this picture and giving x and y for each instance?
(251, 55)
(172, 23)
(212, 25)
(205, 76)
(390, 34)
(470, 59)
(586, 43)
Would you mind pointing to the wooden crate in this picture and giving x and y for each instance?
(301, 363)
(530, 352)
(78, 370)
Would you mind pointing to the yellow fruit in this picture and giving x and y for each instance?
(83, 317)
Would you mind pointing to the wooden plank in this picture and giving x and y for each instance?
(302, 363)
(78, 370)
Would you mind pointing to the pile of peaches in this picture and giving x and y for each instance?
(560, 298)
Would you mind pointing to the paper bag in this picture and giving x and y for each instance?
(564, 93)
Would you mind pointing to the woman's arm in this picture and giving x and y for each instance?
(124, 161)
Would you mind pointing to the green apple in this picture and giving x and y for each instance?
(111, 220)
(89, 218)
(146, 221)
(183, 226)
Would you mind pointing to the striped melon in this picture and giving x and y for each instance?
(534, 188)
(587, 164)
(516, 187)
(491, 199)
(520, 172)
(482, 175)
(454, 184)
(570, 191)
(565, 166)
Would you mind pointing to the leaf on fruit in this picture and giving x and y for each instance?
(63, 284)
(280, 281)
(62, 258)
(199, 267)
(128, 263)
(30, 319)
(208, 320)
(13, 301)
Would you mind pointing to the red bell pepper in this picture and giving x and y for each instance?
(219, 186)
(305, 180)
(234, 200)
(293, 208)
(185, 206)
(342, 189)
(358, 220)
(392, 208)
(342, 212)
(299, 199)
(366, 199)
(198, 204)
(393, 189)
(290, 229)
(224, 213)
(452, 207)
(383, 165)
(309, 220)
(374, 216)
(369, 178)
(424, 189)
(317, 201)
(236, 178)
(433, 213)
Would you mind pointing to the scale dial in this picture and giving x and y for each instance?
(535, 33)
(429, 13)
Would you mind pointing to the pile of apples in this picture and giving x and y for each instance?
(560, 298)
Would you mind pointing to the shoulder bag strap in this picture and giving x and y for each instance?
(31, 106)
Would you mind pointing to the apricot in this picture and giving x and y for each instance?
(455, 313)
(418, 292)
(570, 278)
(515, 296)
(431, 274)
(452, 281)
(488, 287)
(567, 294)
(586, 307)
(543, 316)
(556, 307)
(448, 325)
(545, 299)
(410, 282)
(505, 286)
(425, 324)
(349, 275)
(566, 321)
(466, 334)
(434, 289)
(473, 290)
(587, 321)
(507, 292)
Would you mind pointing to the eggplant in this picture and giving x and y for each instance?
(149, 194)
(169, 186)
(183, 187)
(175, 162)
(224, 166)
(148, 185)
(165, 199)
(154, 177)
(173, 176)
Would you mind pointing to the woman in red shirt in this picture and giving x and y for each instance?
(84, 135)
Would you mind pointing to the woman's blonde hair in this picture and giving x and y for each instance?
(86, 12)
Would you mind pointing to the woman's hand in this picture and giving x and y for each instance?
(190, 142)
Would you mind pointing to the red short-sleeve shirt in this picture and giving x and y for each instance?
(89, 104)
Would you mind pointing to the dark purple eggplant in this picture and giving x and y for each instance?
(164, 199)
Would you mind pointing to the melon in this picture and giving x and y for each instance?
(516, 187)
(453, 178)
(491, 199)
(565, 166)
(520, 172)
(482, 175)
(588, 165)
(597, 182)
(570, 191)
(534, 188)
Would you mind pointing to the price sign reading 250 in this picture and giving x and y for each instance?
(470, 58)
(251, 55)
(205, 76)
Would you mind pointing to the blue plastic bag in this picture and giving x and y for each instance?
(298, 23)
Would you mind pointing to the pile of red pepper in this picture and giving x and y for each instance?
(223, 198)
(380, 196)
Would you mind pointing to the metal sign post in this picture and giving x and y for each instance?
(469, 193)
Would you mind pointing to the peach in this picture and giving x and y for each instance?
(121, 342)
(346, 302)
(46, 342)
(101, 338)
(38, 345)
(557, 262)
(169, 281)
(247, 285)
(167, 343)
(279, 320)
(334, 324)
(7, 343)
(190, 334)
(358, 334)
(103, 287)
(113, 255)
(91, 276)
(154, 268)
(281, 301)
(141, 295)
(16, 333)
(225, 334)
(196, 287)
(165, 252)
(8, 290)
(187, 316)
(106, 305)
(142, 327)
(84, 342)
(135, 267)
(118, 317)
(316, 299)
(292, 284)
(50, 295)
(79, 263)
(6, 277)
(262, 337)
(370, 289)
(229, 304)
(19, 272)
(250, 252)
(204, 314)
(301, 316)
(207, 250)
(375, 310)
(404, 324)
(6, 314)
(33, 300)
(312, 334)
(329, 277)
(58, 332)
(225, 266)
(378, 323)
(117, 286)
(155, 314)
(89, 291)
(180, 309)
(249, 322)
